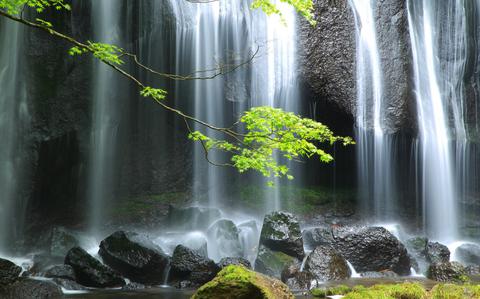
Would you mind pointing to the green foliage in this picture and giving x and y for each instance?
(304, 7)
(156, 93)
(15, 6)
(272, 133)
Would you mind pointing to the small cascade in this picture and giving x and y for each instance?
(14, 120)
(353, 271)
(433, 92)
(104, 119)
(374, 145)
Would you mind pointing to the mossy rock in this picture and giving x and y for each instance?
(272, 263)
(240, 283)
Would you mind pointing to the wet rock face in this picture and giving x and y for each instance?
(447, 272)
(328, 53)
(317, 236)
(273, 263)
(61, 271)
(325, 263)
(188, 265)
(295, 279)
(328, 57)
(135, 256)
(437, 253)
(90, 272)
(372, 249)
(281, 232)
(9, 273)
(33, 289)
(469, 254)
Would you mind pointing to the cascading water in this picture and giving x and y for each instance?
(14, 117)
(104, 119)
(374, 149)
(432, 84)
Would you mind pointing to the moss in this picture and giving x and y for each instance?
(394, 291)
(239, 282)
(452, 291)
(337, 290)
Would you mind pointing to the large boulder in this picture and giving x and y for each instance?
(325, 263)
(224, 236)
(372, 249)
(317, 236)
(447, 272)
(32, 289)
(240, 283)
(62, 241)
(281, 232)
(469, 254)
(62, 272)
(9, 273)
(90, 272)
(272, 263)
(238, 261)
(188, 265)
(192, 218)
(134, 256)
(437, 253)
(296, 279)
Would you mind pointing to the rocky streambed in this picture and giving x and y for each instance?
(129, 264)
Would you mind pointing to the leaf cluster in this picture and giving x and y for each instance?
(304, 7)
(272, 133)
(14, 7)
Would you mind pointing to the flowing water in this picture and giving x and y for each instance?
(14, 119)
(105, 120)
(434, 84)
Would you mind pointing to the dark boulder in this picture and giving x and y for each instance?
(325, 263)
(447, 272)
(317, 236)
(134, 256)
(9, 273)
(239, 261)
(372, 249)
(224, 236)
(33, 289)
(469, 254)
(90, 272)
(281, 232)
(61, 271)
(188, 265)
(437, 253)
(272, 263)
(296, 279)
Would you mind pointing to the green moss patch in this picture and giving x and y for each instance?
(240, 283)
(337, 290)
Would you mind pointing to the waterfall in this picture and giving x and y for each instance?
(436, 87)
(105, 117)
(14, 119)
(374, 149)
(229, 32)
